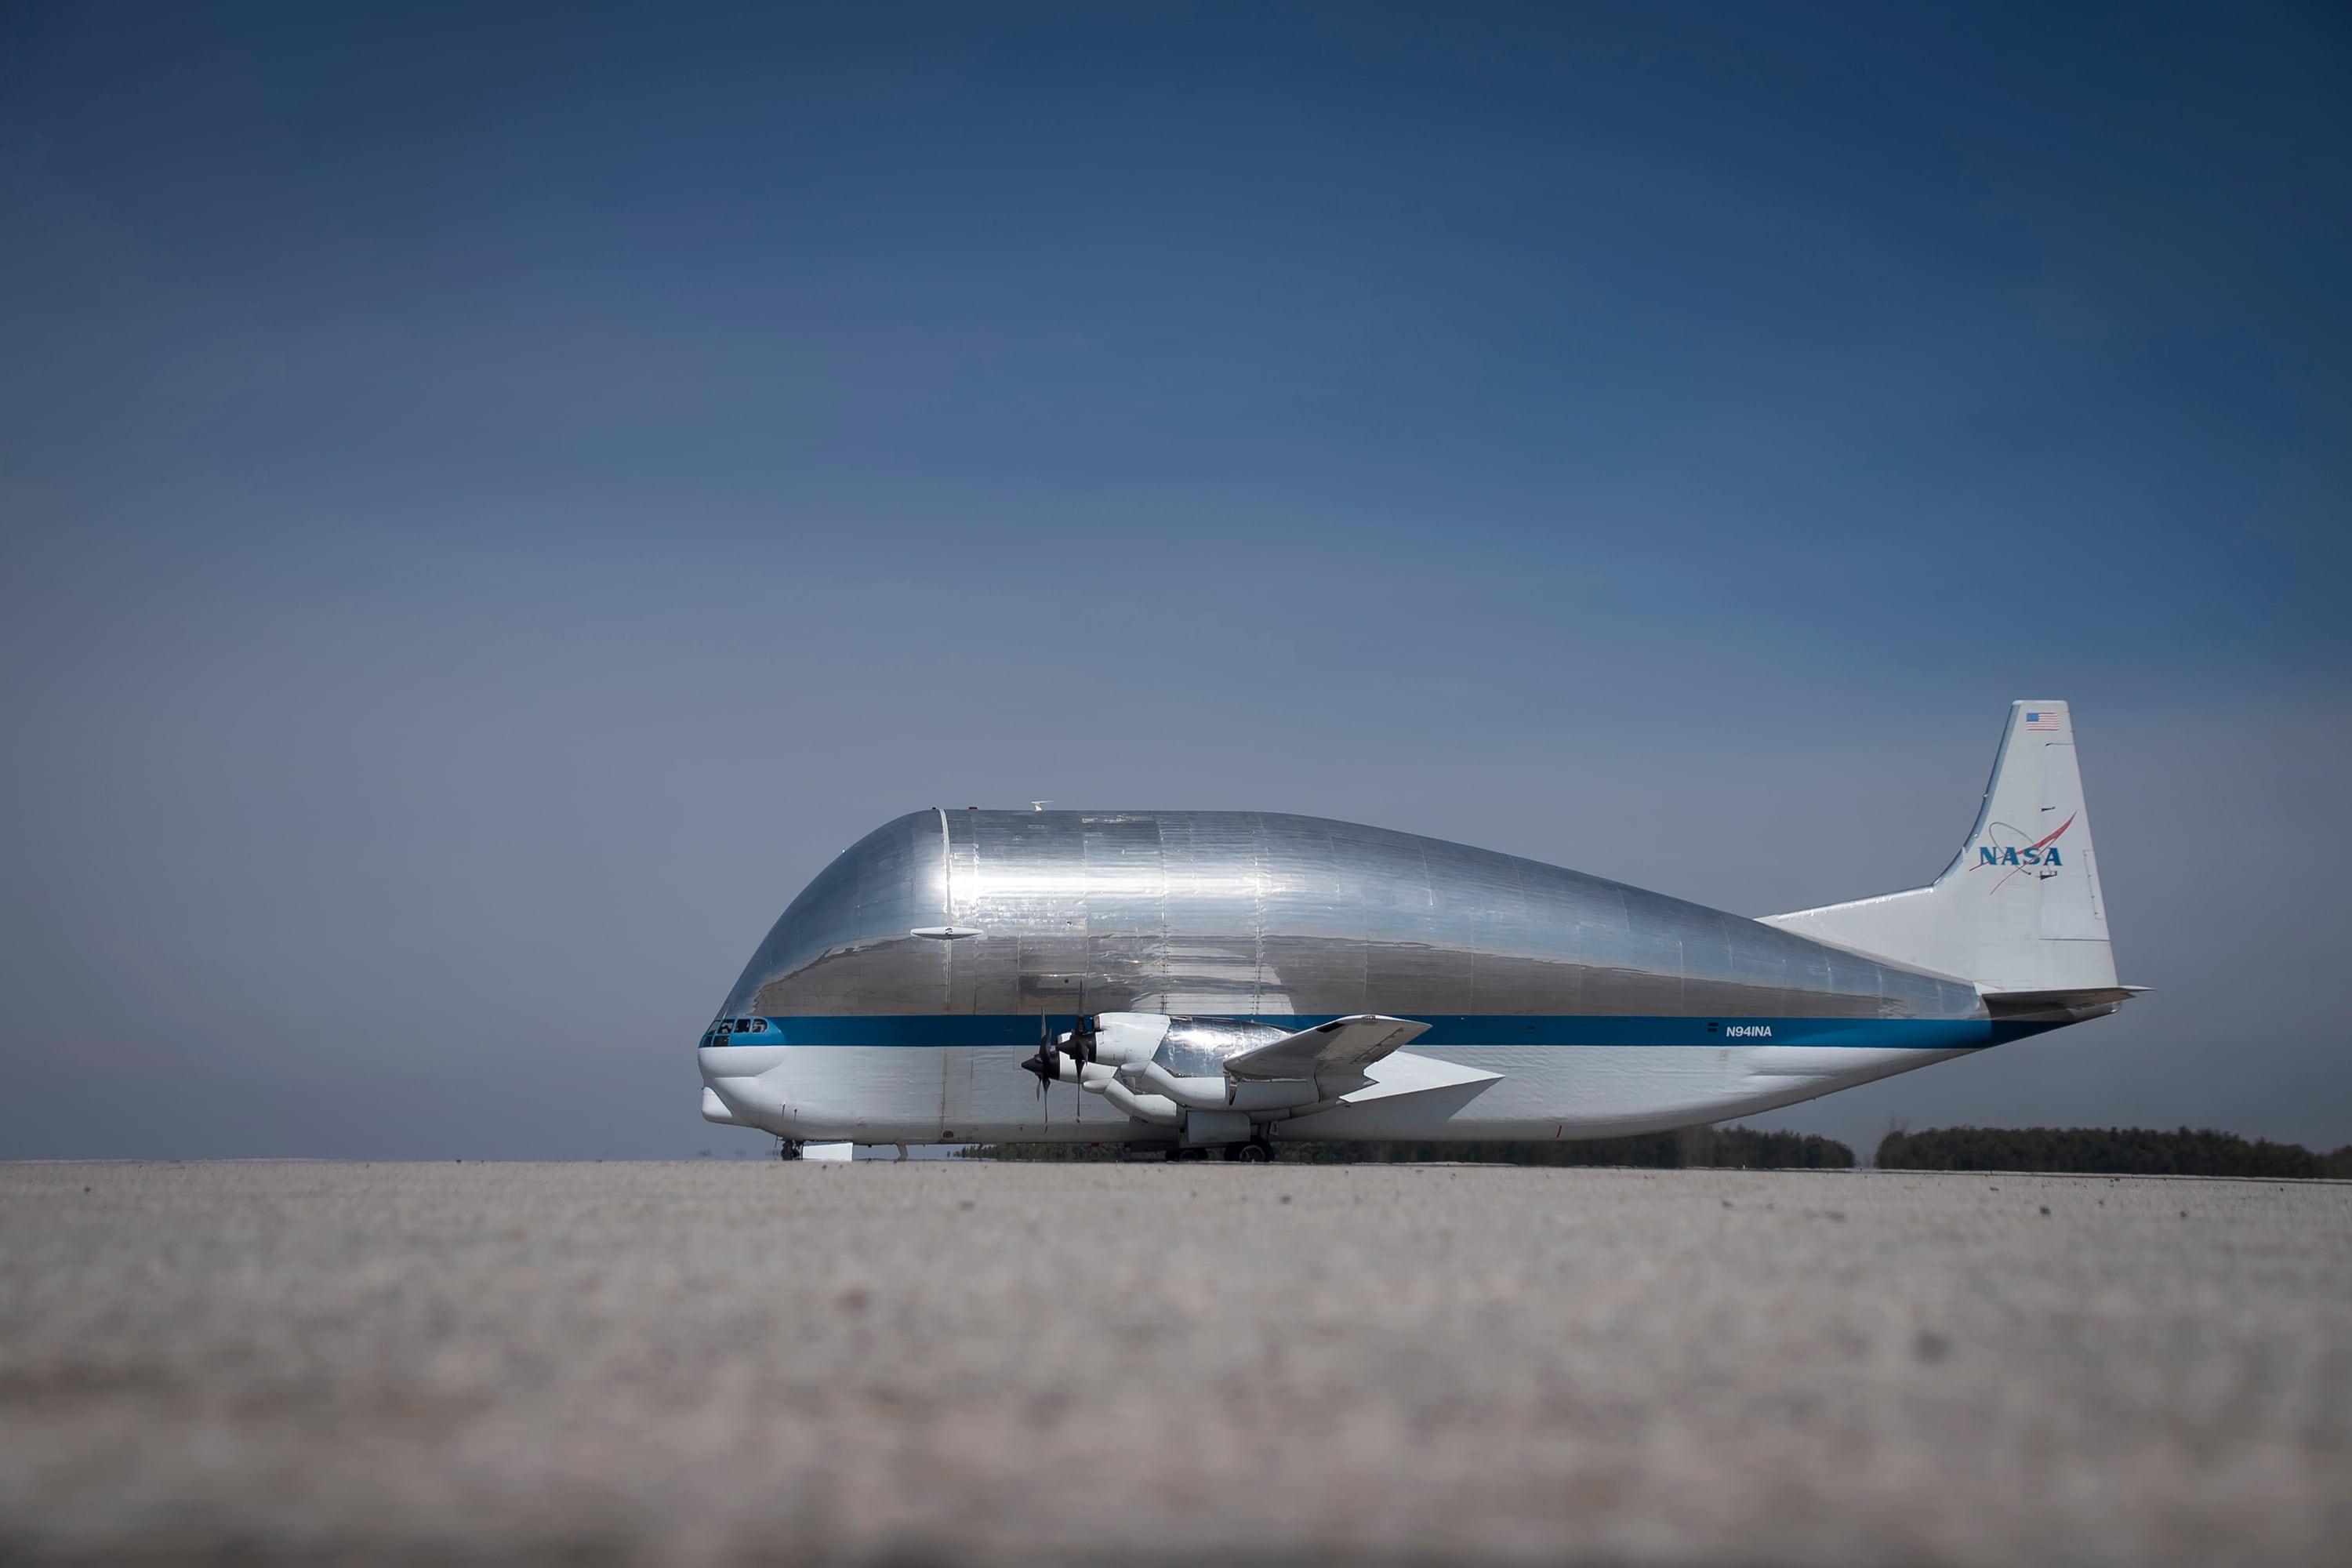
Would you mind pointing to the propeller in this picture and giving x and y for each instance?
(1047, 1064)
(1042, 1064)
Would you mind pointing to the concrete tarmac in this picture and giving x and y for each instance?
(959, 1361)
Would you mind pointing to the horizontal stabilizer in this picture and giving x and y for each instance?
(1342, 1043)
(2057, 1006)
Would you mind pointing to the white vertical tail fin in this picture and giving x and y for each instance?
(2019, 909)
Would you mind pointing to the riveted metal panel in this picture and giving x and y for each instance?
(1126, 903)
(1212, 948)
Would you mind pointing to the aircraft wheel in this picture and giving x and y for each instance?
(1253, 1152)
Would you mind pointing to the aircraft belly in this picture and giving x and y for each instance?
(880, 1094)
(883, 1094)
(1605, 1091)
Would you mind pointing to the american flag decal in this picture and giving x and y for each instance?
(2041, 721)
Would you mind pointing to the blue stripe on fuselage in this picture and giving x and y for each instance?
(937, 1030)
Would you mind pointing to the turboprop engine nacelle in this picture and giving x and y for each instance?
(1102, 1041)
(1115, 1039)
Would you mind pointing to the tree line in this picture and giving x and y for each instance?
(2106, 1152)
(1735, 1148)
(2085, 1151)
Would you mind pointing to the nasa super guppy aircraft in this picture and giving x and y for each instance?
(1215, 980)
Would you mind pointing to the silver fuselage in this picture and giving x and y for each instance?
(1605, 1009)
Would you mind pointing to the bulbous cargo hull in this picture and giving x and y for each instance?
(1254, 914)
(897, 996)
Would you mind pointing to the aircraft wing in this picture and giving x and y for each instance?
(1341, 1042)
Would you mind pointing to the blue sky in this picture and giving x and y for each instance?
(492, 503)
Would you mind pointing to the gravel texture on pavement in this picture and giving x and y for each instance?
(964, 1362)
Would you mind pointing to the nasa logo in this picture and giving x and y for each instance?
(2041, 856)
(2032, 855)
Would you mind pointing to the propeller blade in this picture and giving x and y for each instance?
(1042, 1064)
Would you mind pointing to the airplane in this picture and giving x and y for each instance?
(1213, 981)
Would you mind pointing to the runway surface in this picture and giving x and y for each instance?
(720, 1363)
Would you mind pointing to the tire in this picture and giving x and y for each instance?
(1251, 1153)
